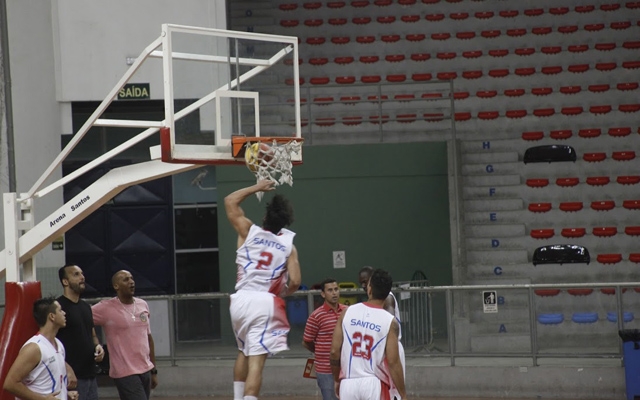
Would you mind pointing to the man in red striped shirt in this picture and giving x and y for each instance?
(318, 334)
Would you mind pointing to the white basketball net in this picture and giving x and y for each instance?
(273, 163)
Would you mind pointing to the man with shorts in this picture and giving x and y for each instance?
(125, 320)
(318, 333)
(367, 363)
(79, 335)
(391, 305)
(265, 258)
(40, 370)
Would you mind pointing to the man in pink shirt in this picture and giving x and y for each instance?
(125, 320)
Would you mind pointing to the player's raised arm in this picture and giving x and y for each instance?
(393, 359)
(293, 269)
(235, 214)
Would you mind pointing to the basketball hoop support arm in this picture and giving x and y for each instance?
(21, 249)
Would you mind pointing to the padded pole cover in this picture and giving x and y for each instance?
(18, 325)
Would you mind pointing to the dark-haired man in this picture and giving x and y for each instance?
(318, 333)
(265, 259)
(367, 364)
(79, 335)
(40, 371)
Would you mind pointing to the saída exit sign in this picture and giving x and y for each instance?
(134, 91)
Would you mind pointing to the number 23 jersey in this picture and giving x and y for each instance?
(365, 328)
(262, 260)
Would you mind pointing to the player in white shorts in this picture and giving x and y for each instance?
(265, 259)
(364, 352)
(391, 305)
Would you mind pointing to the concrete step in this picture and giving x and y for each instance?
(500, 244)
(501, 343)
(493, 205)
(493, 180)
(586, 217)
(500, 273)
(496, 257)
(490, 158)
(492, 231)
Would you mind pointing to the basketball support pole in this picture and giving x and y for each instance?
(18, 215)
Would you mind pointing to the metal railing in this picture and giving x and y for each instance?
(432, 326)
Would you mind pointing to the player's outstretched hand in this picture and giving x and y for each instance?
(265, 185)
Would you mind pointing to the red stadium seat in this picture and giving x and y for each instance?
(394, 57)
(444, 76)
(396, 78)
(356, 120)
(542, 233)
(472, 54)
(459, 16)
(486, 94)
(570, 89)
(633, 5)
(361, 20)
(460, 95)
(594, 27)
(345, 80)
(516, 32)
(547, 292)
(312, 5)
(610, 7)
(525, 51)
(608, 66)
(515, 113)
(605, 231)
(483, 14)
(537, 183)
(421, 77)
(365, 39)
(573, 232)
(288, 7)
(571, 206)
(404, 97)
(440, 36)
(410, 18)
(359, 3)
(386, 19)
(571, 110)
(491, 33)
(567, 182)
(508, 13)
(627, 86)
(514, 92)
(604, 205)
(525, 71)
(551, 70)
(472, 74)
(542, 30)
(446, 56)
(289, 23)
(551, 49)
(544, 112)
(488, 114)
(323, 100)
(598, 180)
(343, 60)
(629, 107)
(558, 10)
(561, 134)
(315, 40)
(420, 56)
(434, 17)
(319, 80)
(416, 37)
(499, 73)
(433, 117)
(313, 22)
(534, 12)
(580, 292)
(631, 204)
(318, 61)
(336, 4)
(375, 119)
(369, 59)
(623, 155)
(462, 116)
(635, 257)
(370, 79)
(406, 118)
(605, 46)
(531, 136)
(589, 133)
(465, 35)
(584, 9)
(609, 259)
(620, 132)
(579, 48)
(568, 29)
(325, 121)
(600, 109)
(350, 99)
(578, 68)
(340, 40)
(594, 157)
(628, 179)
(632, 230)
(598, 88)
(539, 207)
(498, 53)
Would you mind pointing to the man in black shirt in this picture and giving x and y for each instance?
(79, 335)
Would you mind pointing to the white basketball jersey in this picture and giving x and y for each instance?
(365, 328)
(50, 375)
(262, 260)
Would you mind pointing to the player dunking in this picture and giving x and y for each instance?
(265, 258)
(367, 363)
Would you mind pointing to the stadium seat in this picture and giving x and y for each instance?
(465, 35)
(541, 91)
(370, 79)
(390, 38)
(578, 68)
(627, 316)
(610, 7)
(314, 41)
(631, 45)
(508, 13)
(609, 258)
(312, 5)
(605, 231)
(542, 233)
(539, 207)
(605, 46)
(542, 30)
(361, 20)
(488, 115)
(499, 73)
(589, 133)
(551, 49)
(584, 318)
(472, 74)
(343, 60)
(460, 95)
(319, 80)
(544, 112)
(313, 22)
(547, 292)
(340, 40)
(525, 51)
(433, 117)
(570, 89)
(396, 78)
(604, 109)
(404, 97)
(580, 292)
(629, 107)
(420, 56)
(369, 59)
(410, 18)
(387, 19)
(568, 29)
(440, 36)
(515, 113)
(619, 132)
(376, 119)
(571, 206)
(416, 37)
(288, 6)
(318, 61)
(573, 232)
(345, 80)
(627, 86)
(611, 291)
(598, 88)
(628, 179)
(623, 155)
(550, 319)
(394, 57)
(365, 39)
(584, 9)
(598, 180)
(571, 110)
(537, 183)
(325, 121)
(514, 92)
(421, 77)
(516, 32)
(406, 118)
(336, 4)
(578, 48)
(631, 204)
(385, 3)
(594, 157)
(359, 3)
(445, 76)
(633, 5)
(337, 21)
(490, 33)
(534, 12)
(486, 94)
(323, 100)
(537, 135)
(350, 99)
(558, 10)
(635, 257)
(593, 27)
(620, 25)
(462, 116)
(459, 16)
(604, 205)
(525, 71)
(446, 55)
(567, 182)
(434, 17)
(498, 52)
(350, 121)
(552, 70)
(289, 23)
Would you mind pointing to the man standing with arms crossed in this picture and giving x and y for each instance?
(79, 335)
(367, 363)
(40, 372)
(318, 334)
(265, 258)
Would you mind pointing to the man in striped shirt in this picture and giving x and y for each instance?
(318, 333)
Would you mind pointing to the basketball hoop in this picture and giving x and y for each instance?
(269, 158)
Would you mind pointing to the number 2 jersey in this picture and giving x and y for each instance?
(365, 328)
(262, 260)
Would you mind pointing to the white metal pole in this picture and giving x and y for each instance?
(11, 254)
